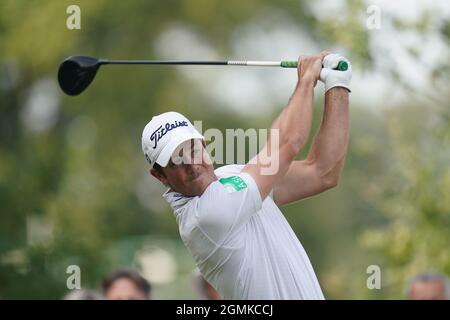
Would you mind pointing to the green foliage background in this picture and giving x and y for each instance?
(80, 175)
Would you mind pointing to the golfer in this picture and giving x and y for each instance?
(229, 218)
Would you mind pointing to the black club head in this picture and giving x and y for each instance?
(76, 73)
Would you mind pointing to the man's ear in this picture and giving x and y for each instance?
(159, 176)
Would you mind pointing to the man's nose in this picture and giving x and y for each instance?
(187, 167)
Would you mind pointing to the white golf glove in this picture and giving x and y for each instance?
(335, 78)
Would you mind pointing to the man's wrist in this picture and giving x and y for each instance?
(306, 82)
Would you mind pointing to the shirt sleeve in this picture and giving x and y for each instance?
(226, 205)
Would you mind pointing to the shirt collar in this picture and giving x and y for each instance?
(176, 200)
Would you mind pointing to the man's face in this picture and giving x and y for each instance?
(124, 289)
(430, 290)
(190, 170)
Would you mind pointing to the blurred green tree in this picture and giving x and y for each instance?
(73, 184)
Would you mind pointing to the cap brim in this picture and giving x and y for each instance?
(166, 153)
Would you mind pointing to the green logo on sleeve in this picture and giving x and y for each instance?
(233, 183)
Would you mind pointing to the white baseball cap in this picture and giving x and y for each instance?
(163, 134)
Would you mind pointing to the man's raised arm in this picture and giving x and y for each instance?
(322, 167)
(293, 126)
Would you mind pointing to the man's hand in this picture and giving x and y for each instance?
(335, 78)
(309, 67)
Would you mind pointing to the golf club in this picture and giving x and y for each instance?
(76, 73)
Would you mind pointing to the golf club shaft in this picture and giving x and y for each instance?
(285, 64)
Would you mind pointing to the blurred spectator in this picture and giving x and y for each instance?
(429, 286)
(204, 289)
(126, 285)
(83, 294)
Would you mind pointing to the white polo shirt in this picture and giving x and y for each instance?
(243, 246)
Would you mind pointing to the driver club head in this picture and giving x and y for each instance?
(76, 73)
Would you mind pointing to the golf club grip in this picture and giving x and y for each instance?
(342, 65)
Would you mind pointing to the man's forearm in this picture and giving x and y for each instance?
(294, 122)
(329, 147)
